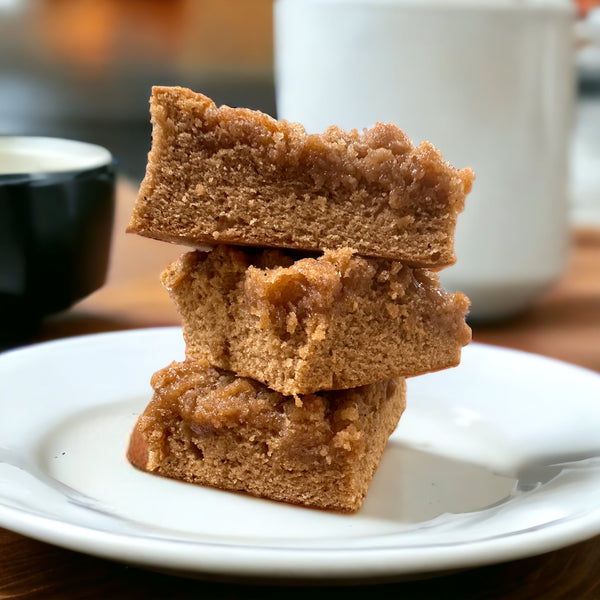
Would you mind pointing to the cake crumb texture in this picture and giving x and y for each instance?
(300, 324)
(209, 427)
(236, 176)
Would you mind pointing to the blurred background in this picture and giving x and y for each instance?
(83, 69)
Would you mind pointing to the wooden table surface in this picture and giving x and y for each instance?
(564, 324)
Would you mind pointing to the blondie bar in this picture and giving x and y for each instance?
(209, 427)
(300, 325)
(236, 176)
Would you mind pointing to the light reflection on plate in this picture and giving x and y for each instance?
(494, 460)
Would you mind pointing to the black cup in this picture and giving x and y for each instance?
(57, 202)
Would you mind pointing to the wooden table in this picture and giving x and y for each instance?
(565, 324)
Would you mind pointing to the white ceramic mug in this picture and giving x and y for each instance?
(489, 82)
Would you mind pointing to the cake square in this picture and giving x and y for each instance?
(302, 325)
(209, 427)
(236, 176)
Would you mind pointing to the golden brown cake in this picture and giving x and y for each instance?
(236, 176)
(302, 325)
(209, 427)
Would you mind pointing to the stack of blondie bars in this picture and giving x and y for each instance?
(310, 297)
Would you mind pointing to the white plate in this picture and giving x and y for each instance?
(495, 460)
